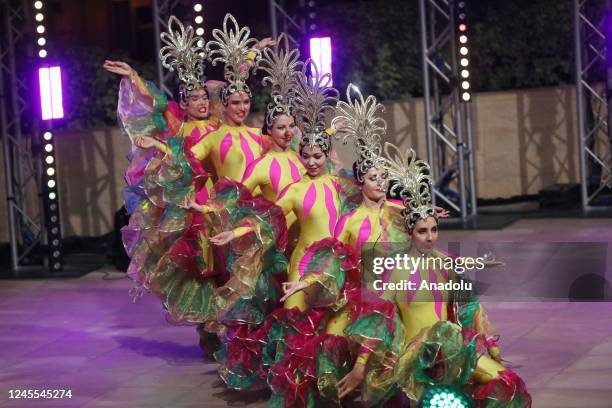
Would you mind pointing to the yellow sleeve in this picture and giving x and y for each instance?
(253, 176)
(343, 232)
(165, 149)
(286, 199)
(139, 84)
(201, 150)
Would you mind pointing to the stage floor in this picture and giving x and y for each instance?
(86, 335)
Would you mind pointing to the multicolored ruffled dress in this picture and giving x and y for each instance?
(411, 340)
(318, 204)
(160, 233)
(332, 269)
(259, 330)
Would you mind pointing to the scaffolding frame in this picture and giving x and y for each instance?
(284, 18)
(162, 10)
(593, 101)
(23, 172)
(448, 120)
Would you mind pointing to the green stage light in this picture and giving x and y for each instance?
(444, 396)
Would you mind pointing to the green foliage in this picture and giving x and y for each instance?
(376, 46)
(516, 44)
(91, 92)
(522, 44)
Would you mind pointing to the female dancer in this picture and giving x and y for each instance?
(251, 293)
(159, 178)
(435, 339)
(317, 201)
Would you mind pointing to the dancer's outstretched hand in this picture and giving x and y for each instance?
(266, 42)
(190, 204)
(146, 142)
(118, 67)
(351, 381)
(289, 288)
(442, 213)
(222, 238)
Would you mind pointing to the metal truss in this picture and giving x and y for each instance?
(284, 19)
(162, 10)
(22, 171)
(448, 119)
(593, 98)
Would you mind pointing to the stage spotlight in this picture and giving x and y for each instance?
(39, 17)
(50, 171)
(462, 39)
(321, 54)
(200, 31)
(38, 5)
(463, 50)
(197, 7)
(465, 85)
(42, 53)
(49, 160)
(444, 396)
(47, 135)
(199, 19)
(462, 27)
(464, 62)
(40, 29)
(51, 197)
(48, 147)
(466, 96)
(51, 183)
(465, 73)
(41, 41)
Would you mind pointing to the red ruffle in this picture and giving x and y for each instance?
(507, 387)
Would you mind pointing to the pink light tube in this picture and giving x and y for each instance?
(51, 103)
(321, 54)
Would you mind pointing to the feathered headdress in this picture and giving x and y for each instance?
(361, 121)
(281, 66)
(184, 53)
(315, 97)
(231, 47)
(411, 180)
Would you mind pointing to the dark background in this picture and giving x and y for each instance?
(513, 44)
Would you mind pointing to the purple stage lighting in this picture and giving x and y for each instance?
(321, 54)
(50, 80)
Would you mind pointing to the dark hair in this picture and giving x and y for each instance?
(178, 92)
(265, 129)
(357, 173)
(325, 152)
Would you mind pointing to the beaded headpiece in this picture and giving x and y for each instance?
(281, 66)
(231, 47)
(315, 98)
(410, 179)
(184, 53)
(361, 121)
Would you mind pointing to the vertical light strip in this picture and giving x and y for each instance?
(56, 93)
(326, 58)
(321, 54)
(45, 93)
